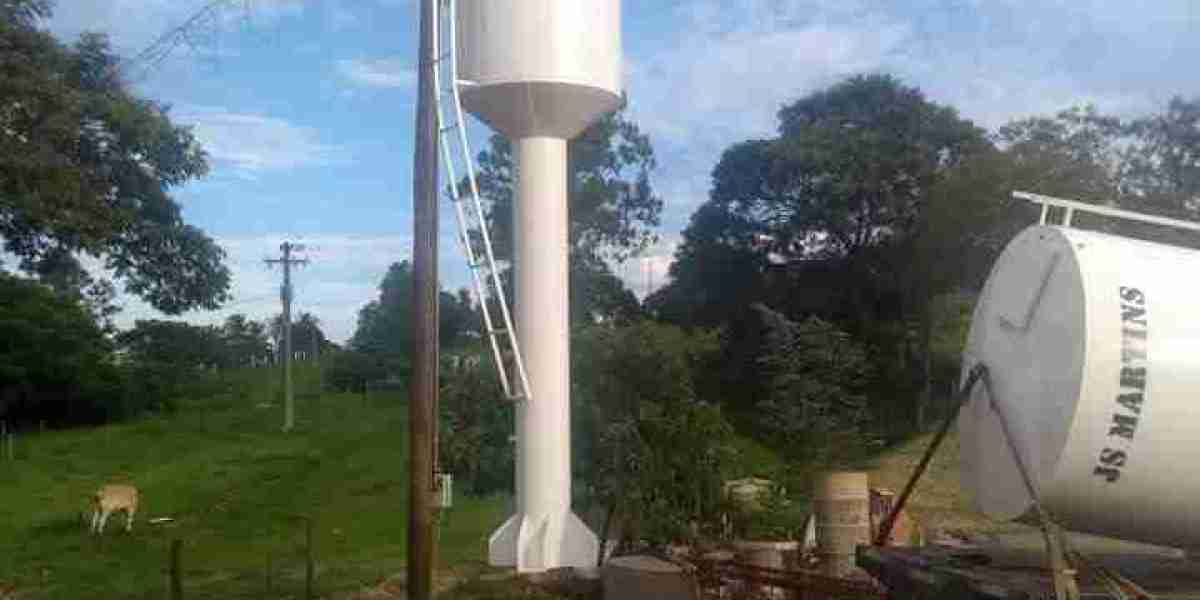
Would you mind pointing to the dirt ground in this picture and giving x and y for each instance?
(1164, 572)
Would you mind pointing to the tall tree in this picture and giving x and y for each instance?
(306, 330)
(824, 218)
(243, 340)
(384, 330)
(845, 182)
(1161, 170)
(175, 343)
(86, 167)
(613, 208)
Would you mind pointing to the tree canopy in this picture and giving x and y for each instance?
(86, 166)
(384, 328)
(846, 182)
(613, 210)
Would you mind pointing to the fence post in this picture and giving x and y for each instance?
(308, 558)
(176, 569)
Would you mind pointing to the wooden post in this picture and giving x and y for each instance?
(176, 570)
(422, 408)
(308, 559)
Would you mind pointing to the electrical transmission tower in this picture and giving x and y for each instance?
(285, 295)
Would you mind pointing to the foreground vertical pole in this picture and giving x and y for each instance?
(423, 398)
(176, 570)
(309, 564)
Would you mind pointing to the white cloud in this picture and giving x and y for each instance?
(251, 143)
(388, 72)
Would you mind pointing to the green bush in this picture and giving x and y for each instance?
(56, 363)
(816, 382)
(476, 422)
(644, 446)
(351, 371)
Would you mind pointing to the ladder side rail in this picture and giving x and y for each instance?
(445, 141)
(1075, 205)
(506, 315)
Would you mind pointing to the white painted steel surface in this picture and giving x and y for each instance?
(540, 67)
(543, 533)
(540, 72)
(1093, 345)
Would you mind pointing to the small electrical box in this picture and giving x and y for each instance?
(445, 488)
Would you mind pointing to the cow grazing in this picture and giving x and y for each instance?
(112, 498)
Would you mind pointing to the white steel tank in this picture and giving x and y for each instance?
(1092, 342)
(540, 72)
(539, 67)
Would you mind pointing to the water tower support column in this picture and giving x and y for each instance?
(544, 533)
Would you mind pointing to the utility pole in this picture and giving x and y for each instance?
(422, 406)
(285, 295)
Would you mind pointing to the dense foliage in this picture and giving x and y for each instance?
(613, 210)
(384, 331)
(86, 166)
(56, 364)
(881, 212)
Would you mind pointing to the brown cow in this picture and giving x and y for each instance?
(112, 498)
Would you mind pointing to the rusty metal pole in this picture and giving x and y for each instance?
(422, 551)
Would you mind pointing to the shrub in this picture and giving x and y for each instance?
(645, 447)
(474, 429)
(816, 382)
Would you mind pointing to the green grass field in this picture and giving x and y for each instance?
(236, 488)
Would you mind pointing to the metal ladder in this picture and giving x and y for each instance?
(452, 139)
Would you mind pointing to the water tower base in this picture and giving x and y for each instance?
(535, 544)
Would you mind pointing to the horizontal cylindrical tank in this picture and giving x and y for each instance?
(1092, 342)
(539, 67)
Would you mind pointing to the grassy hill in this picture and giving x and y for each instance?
(235, 487)
(938, 501)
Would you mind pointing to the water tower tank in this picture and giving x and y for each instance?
(540, 68)
(1093, 345)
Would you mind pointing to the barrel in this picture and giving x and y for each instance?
(842, 506)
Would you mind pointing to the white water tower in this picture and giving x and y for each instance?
(540, 72)
(1092, 342)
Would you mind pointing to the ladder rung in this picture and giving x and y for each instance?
(472, 220)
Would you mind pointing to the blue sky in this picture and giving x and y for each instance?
(306, 106)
